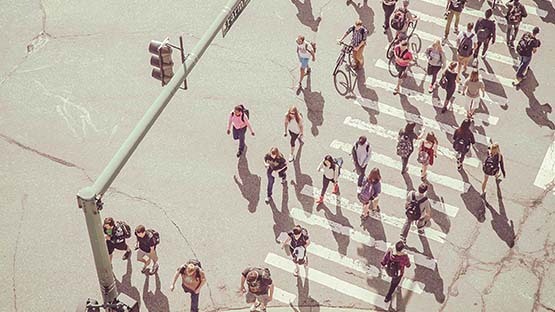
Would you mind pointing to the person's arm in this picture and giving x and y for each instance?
(368, 156)
(175, 276)
(271, 295)
(320, 166)
(355, 156)
(346, 33)
(386, 258)
(285, 126)
(242, 286)
(229, 123)
(248, 124)
(502, 165)
(509, 9)
(335, 173)
(202, 282)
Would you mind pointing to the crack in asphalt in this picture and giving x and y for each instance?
(14, 265)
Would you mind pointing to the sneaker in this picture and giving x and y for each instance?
(254, 307)
(456, 30)
(359, 189)
(431, 88)
(296, 272)
(268, 199)
(484, 55)
(239, 153)
(154, 268)
(291, 158)
(320, 200)
(144, 270)
(126, 255)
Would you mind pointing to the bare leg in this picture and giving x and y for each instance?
(484, 183)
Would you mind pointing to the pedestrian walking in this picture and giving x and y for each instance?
(293, 125)
(405, 144)
(147, 241)
(528, 45)
(448, 82)
(466, 43)
(454, 9)
(274, 162)
(297, 241)
(371, 189)
(331, 169)
(260, 287)
(418, 210)
(427, 153)
(305, 52)
(403, 58)
(463, 138)
(239, 118)
(436, 61)
(515, 13)
(472, 88)
(361, 152)
(395, 261)
(388, 8)
(485, 30)
(192, 280)
(358, 42)
(492, 166)
(116, 232)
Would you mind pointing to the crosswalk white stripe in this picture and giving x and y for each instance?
(329, 281)
(284, 296)
(385, 219)
(509, 60)
(392, 135)
(475, 13)
(385, 160)
(428, 99)
(546, 173)
(363, 238)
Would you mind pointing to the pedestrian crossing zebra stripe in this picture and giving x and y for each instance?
(546, 174)
(418, 119)
(428, 99)
(284, 296)
(385, 160)
(385, 219)
(392, 135)
(363, 238)
(328, 281)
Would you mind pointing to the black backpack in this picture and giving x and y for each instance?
(484, 30)
(461, 145)
(399, 19)
(392, 268)
(515, 14)
(524, 45)
(465, 47)
(412, 209)
(491, 165)
(197, 265)
(155, 237)
(125, 228)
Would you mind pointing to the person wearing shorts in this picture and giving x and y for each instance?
(293, 126)
(472, 88)
(115, 234)
(260, 288)
(305, 51)
(146, 249)
(469, 35)
(403, 57)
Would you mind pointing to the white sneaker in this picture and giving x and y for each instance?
(268, 199)
(291, 158)
(359, 189)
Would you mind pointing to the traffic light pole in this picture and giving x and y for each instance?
(87, 197)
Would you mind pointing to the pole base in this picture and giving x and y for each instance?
(123, 303)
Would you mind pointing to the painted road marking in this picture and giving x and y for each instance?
(328, 281)
(392, 135)
(546, 173)
(363, 238)
(284, 296)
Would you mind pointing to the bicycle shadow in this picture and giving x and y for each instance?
(305, 15)
(315, 106)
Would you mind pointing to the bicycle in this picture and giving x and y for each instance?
(396, 40)
(343, 81)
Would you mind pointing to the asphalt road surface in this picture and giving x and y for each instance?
(75, 79)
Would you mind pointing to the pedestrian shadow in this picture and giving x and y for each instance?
(314, 105)
(504, 227)
(305, 14)
(282, 219)
(365, 14)
(536, 111)
(341, 239)
(448, 117)
(477, 5)
(408, 181)
(433, 283)
(155, 301)
(546, 6)
(126, 287)
(408, 108)
(440, 218)
(494, 87)
(248, 183)
(305, 302)
(367, 94)
(474, 204)
(302, 180)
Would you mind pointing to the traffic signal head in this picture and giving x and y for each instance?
(161, 60)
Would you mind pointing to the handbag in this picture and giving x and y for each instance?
(443, 82)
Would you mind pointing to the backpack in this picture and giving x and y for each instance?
(404, 146)
(155, 237)
(484, 32)
(245, 112)
(515, 14)
(423, 157)
(196, 263)
(392, 268)
(125, 227)
(412, 208)
(491, 165)
(465, 47)
(299, 255)
(524, 45)
(339, 163)
(366, 192)
(398, 20)
(461, 145)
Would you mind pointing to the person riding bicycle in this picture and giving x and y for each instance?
(401, 21)
(358, 42)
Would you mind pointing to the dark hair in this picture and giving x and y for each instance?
(469, 26)
(109, 221)
(330, 159)
(399, 246)
(140, 229)
(239, 108)
(374, 175)
(431, 137)
(465, 125)
(252, 276)
(297, 230)
(363, 138)
(409, 128)
(422, 188)
(536, 30)
(489, 13)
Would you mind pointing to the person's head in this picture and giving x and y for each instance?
(300, 39)
(494, 149)
(328, 161)
(422, 188)
(489, 13)
(409, 128)
(474, 75)
(238, 110)
(274, 152)
(252, 276)
(437, 45)
(190, 269)
(399, 246)
(465, 125)
(535, 31)
(515, 2)
(374, 175)
(293, 113)
(453, 65)
(109, 223)
(140, 231)
(469, 26)
(297, 231)
(431, 137)
(362, 140)
(404, 45)
(405, 4)
(358, 24)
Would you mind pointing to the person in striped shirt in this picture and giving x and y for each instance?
(358, 41)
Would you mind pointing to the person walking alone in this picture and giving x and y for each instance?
(485, 32)
(448, 82)
(274, 162)
(454, 9)
(418, 210)
(297, 241)
(528, 45)
(492, 166)
(305, 52)
(427, 153)
(192, 280)
(331, 174)
(403, 58)
(361, 152)
(466, 44)
(147, 241)
(515, 13)
(395, 261)
(436, 61)
(240, 120)
(358, 42)
(260, 288)
(371, 189)
(405, 144)
(472, 88)
(463, 138)
(294, 125)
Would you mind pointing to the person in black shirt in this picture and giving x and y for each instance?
(274, 162)
(530, 45)
(485, 32)
(116, 233)
(462, 139)
(454, 8)
(298, 241)
(515, 13)
(260, 287)
(146, 248)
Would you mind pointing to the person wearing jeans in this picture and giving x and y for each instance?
(515, 13)
(395, 254)
(463, 138)
(425, 208)
(485, 32)
(526, 55)
(274, 162)
(240, 121)
(192, 280)
(361, 152)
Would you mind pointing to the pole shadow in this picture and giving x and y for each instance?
(315, 106)
(248, 183)
(305, 14)
(156, 301)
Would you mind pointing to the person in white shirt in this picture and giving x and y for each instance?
(293, 125)
(304, 53)
(361, 152)
(331, 173)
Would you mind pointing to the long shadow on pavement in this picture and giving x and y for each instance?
(282, 220)
(125, 286)
(504, 227)
(368, 94)
(537, 112)
(342, 240)
(248, 183)
(302, 180)
(314, 105)
(156, 301)
(305, 302)
(305, 14)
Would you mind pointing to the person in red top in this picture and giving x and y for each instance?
(402, 260)
(427, 153)
(403, 58)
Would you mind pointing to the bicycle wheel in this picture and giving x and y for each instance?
(415, 45)
(341, 82)
(392, 68)
(389, 51)
(412, 28)
(339, 62)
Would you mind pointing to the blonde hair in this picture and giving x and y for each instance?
(474, 76)
(437, 45)
(190, 269)
(293, 109)
(358, 23)
(494, 149)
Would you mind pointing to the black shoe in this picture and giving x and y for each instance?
(443, 109)
(126, 255)
(239, 154)
(387, 299)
